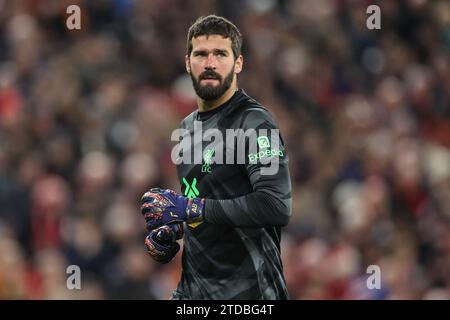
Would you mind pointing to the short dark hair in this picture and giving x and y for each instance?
(215, 25)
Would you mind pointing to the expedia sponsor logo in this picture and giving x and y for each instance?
(253, 157)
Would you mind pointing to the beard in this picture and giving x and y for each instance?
(210, 92)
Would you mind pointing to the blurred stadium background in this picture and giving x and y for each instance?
(86, 118)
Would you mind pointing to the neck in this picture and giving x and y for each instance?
(204, 105)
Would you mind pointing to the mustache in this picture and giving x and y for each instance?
(210, 74)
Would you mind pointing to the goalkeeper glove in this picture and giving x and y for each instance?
(164, 206)
(161, 243)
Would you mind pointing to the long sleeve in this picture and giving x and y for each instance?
(270, 202)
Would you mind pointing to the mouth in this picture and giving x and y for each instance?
(209, 76)
(209, 80)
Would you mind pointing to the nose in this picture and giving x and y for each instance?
(210, 63)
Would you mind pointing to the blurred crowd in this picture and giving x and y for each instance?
(86, 117)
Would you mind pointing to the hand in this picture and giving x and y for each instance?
(164, 206)
(162, 245)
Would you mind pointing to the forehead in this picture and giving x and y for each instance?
(209, 42)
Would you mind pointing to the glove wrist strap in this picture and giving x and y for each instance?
(194, 210)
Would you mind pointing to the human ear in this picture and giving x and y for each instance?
(238, 64)
(188, 65)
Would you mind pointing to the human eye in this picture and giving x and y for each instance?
(221, 53)
(199, 53)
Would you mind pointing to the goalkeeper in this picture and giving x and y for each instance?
(229, 215)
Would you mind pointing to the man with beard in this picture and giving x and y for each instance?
(229, 215)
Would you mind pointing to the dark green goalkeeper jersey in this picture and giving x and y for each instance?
(235, 253)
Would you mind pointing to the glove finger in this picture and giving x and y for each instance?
(150, 207)
(155, 250)
(164, 235)
(170, 254)
(153, 213)
(155, 218)
(162, 253)
(177, 229)
(148, 196)
(170, 192)
(152, 224)
(157, 199)
(151, 194)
